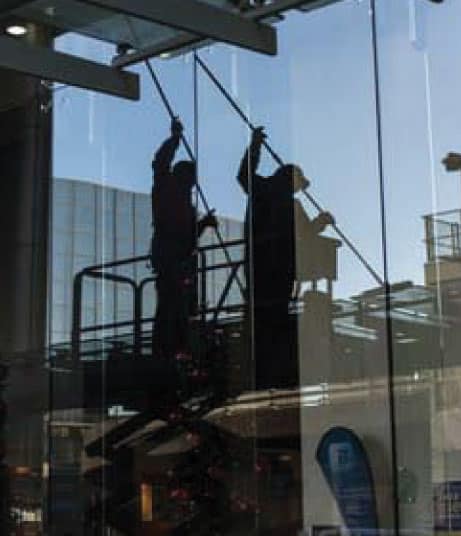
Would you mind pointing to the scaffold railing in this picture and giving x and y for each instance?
(443, 235)
(135, 324)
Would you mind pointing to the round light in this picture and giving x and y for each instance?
(16, 30)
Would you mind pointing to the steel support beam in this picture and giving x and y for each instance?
(9, 5)
(45, 63)
(185, 40)
(199, 18)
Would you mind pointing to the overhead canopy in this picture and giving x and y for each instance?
(169, 42)
(148, 28)
(143, 22)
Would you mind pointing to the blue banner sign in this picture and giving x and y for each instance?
(346, 468)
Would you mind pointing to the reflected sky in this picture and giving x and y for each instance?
(317, 101)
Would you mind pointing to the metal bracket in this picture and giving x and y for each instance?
(20, 56)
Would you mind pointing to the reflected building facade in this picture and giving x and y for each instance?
(93, 224)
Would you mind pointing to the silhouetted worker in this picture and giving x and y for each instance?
(176, 230)
(270, 221)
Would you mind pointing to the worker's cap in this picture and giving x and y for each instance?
(185, 171)
(296, 174)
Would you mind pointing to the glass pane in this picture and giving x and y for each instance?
(422, 197)
(317, 359)
(94, 318)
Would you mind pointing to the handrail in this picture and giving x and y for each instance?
(113, 264)
(133, 260)
(99, 271)
(442, 213)
(77, 303)
(205, 312)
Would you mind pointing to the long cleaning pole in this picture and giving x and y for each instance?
(189, 151)
(280, 162)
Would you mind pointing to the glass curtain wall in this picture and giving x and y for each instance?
(419, 116)
(293, 368)
(320, 393)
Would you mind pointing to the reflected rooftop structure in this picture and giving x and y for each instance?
(443, 247)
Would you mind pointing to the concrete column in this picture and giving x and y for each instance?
(25, 178)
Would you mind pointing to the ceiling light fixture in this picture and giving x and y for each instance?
(16, 30)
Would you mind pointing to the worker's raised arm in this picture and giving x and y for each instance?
(166, 153)
(321, 222)
(250, 160)
(307, 228)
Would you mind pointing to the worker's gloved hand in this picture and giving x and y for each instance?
(176, 127)
(258, 135)
(210, 220)
(326, 218)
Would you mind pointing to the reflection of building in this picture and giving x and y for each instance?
(443, 263)
(341, 351)
(337, 377)
(93, 224)
(443, 247)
